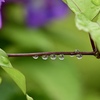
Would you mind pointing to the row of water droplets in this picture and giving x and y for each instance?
(60, 56)
(52, 57)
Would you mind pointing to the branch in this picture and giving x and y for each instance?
(48, 53)
(94, 48)
(92, 44)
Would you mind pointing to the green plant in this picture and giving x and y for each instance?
(87, 18)
(17, 76)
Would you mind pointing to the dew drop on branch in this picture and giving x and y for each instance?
(61, 56)
(53, 56)
(45, 57)
(77, 51)
(71, 55)
(35, 57)
(79, 56)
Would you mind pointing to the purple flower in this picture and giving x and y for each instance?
(0, 13)
(1, 2)
(39, 12)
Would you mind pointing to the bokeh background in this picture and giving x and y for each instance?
(44, 25)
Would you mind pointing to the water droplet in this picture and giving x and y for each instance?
(53, 57)
(71, 55)
(79, 56)
(35, 57)
(61, 56)
(45, 57)
(77, 51)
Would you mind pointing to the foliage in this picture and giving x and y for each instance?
(18, 77)
(85, 12)
(46, 80)
(70, 79)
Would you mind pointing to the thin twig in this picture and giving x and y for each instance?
(48, 53)
(92, 44)
(95, 49)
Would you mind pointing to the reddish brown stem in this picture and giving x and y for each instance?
(92, 44)
(48, 53)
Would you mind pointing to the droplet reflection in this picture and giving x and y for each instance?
(61, 56)
(45, 57)
(79, 56)
(71, 55)
(53, 56)
(35, 57)
(77, 51)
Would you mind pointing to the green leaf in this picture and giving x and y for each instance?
(64, 1)
(28, 97)
(98, 21)
(82, 22)
(84, 6)
(91, 27)
(17, 76)
(86, 11)
(4, 61)
(96, 2)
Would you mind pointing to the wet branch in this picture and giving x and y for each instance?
(48, 53)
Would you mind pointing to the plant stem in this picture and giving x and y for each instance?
(92, 44)
(48, 53)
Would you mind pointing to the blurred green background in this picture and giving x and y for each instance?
(70, 79)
